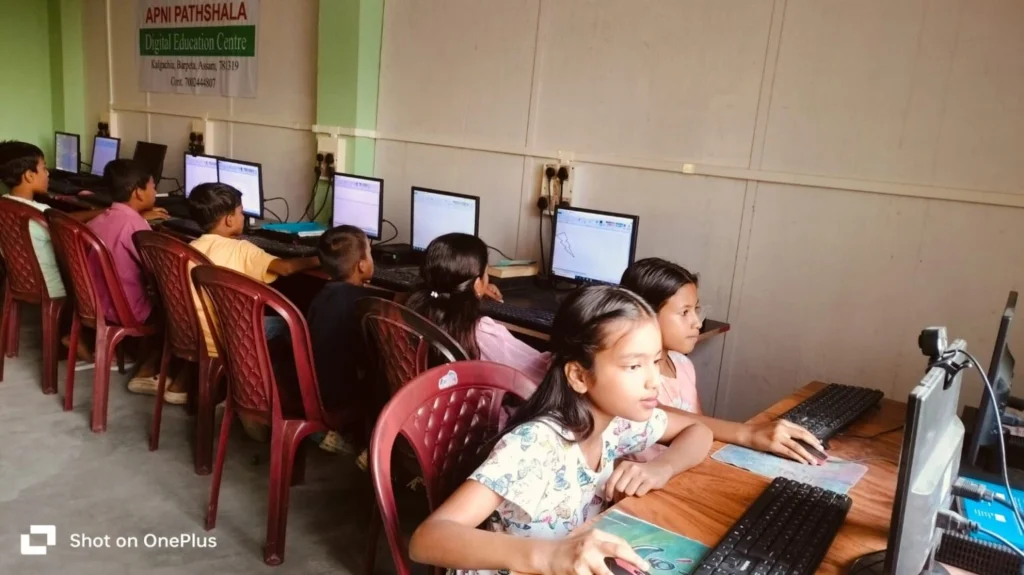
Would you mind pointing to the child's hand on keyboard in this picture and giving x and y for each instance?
(155, 214)
(779, 437)
(492, 292)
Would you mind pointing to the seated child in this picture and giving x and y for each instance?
(217, 208)
(558, 463)
(134, 195)
(455, 279)
(23, 171)
(337, 340)
(672, 291)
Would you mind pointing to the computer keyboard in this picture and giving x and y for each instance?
(401, 278)
(535, 318)
(786, 531)
(279, 249)
(184, 226)
(825, 413)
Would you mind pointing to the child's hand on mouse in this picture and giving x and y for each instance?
(631, 478)
(583, 553)
(779, 437)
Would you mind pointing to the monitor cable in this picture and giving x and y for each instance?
(503, 254)
(952, 521)
(317, 170)
(287, 209)
(393, 236)
(329, 164)
(1002, 441)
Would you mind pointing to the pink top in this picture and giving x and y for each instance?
(115, 227)
(679, 392)
(497, 344)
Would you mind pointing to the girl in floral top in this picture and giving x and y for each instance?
(560, 461)
(672, 291)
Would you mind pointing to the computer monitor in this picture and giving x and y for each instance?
(592, 246)
(932, 440)
(246, 177)
(151, 156)
(104, 151)
(67, 151)
(435, 213)
(1000, 375)
(199, 169)
(359, 202)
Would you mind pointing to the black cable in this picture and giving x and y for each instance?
(327, 196)
(179, 187)
(266, 209)
(1002, 441)
(873, 436)
(393, 236)
(503, 254)
(312, 196)
(540, 233)
(287, 208)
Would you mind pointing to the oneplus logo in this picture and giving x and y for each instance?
(27, 548)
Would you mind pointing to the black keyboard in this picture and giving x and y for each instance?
(184, 226)
(825, 413)
(534, 318)
(399, 278)
(786, 531)
(279, 249)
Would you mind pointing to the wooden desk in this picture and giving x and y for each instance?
(704, 502)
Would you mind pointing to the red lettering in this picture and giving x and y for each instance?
(149, 15)
(179, 13)
(241, 12)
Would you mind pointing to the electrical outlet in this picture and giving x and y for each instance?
(200, 136)
(331, 145)
(556, 184)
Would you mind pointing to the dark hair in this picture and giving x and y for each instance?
(123, 177)
(579, 332)
(16, 158)
(341, 249)
(450, 267)
(210, 202)
(656, 280)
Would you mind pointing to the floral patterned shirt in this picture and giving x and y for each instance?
(547, 486)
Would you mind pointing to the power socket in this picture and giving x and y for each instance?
(331, 147)
(556, 181)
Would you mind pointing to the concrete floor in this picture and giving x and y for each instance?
(54, 470)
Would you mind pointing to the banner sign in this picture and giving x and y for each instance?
(198, 47)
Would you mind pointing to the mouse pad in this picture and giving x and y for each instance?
(835, 475)
(667, 552)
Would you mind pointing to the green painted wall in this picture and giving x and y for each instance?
(26, 103)
(348, 73)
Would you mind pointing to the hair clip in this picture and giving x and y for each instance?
(434, 294)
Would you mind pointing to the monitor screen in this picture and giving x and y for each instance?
(199, 170)
(358, 202)
(592, 246)
(151, 156)
(67, 149)
(246, 177)
(435, 213)
(104, 150)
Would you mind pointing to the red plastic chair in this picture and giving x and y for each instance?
(253, 388)
(24, 284)
(75, 246)
(447, 414)
(169, 261)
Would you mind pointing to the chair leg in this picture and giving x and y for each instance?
(158, 409)
(206, 414)
(284, 441)
(105, 342)
(218, 469)
(372, 536)
(51, 344)
(13, 329)
(5, 317)
(69, 385)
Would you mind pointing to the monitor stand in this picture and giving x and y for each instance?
(874, 564)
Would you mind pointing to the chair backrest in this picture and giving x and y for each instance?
(448, 415)
(78, 249)
(169, 260)
(234, 305)
(24, 277)
(403, 340)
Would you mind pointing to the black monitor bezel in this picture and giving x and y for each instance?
(259, 169)
(412, 212)
(158, 172)
(985, 419)
(554, 233)
(92, 158)
(380, 204)
(78, 144)
(184, 171)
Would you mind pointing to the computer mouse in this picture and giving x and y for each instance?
(817, 453)
(622, 567)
